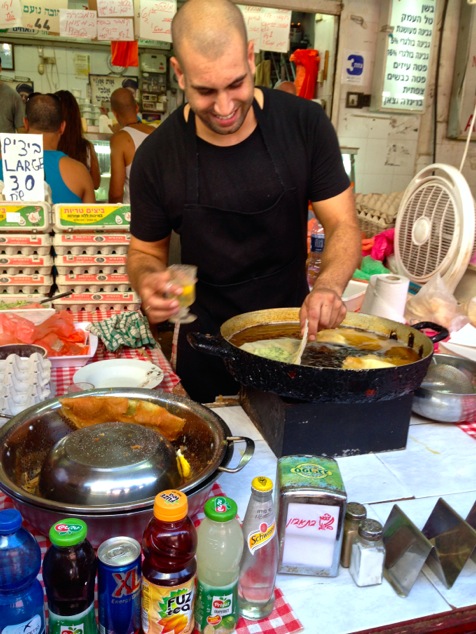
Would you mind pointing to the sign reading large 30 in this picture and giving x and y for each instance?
(22, 165)
(405, 49)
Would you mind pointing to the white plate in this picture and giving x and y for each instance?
(461, 351)
(80, 359)
(120, 373)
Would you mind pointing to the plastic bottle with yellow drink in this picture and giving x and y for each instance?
(259, 563)
(169, 567)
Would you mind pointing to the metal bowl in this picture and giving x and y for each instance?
(27, 439)
(443, 406)
(119, 462)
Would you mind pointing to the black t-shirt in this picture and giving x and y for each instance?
(240, 177)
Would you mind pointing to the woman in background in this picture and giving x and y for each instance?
(72, 141)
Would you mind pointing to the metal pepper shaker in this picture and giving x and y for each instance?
(354, 514)
(368, 554)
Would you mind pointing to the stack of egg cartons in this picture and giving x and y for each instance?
(90, 246)
(24, 381)
(26, 263)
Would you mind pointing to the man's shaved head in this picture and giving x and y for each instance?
(205, 26)
(123, 102)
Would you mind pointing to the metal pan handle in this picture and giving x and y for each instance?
(441, 331)
(247, 454)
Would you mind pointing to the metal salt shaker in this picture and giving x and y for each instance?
(368, 554)
(354, 514)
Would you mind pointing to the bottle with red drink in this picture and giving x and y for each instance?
(169, 566)
(259, 563)
(69, 573)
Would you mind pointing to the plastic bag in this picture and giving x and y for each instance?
(435, 303)
(369, 267)
(307, 67)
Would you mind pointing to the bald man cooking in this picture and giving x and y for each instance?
(232, 172)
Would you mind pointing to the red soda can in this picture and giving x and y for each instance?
(119, 580)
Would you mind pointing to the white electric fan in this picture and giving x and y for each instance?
(435, 226)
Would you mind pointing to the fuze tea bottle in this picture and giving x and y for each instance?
(260, 556)
(220, 546)
(169, 566)
(69, 573)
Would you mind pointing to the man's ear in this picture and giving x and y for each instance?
(251, 57)
(178, 72)
(26, 124)
(62, 127)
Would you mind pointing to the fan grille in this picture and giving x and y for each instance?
(427, 231)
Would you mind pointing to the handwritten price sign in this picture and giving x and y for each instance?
(22, 162)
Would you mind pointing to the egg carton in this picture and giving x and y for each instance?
(31, 217)
(93, 283)
(98, 301)
(91, 243)
(24, 381)
(92, 264)
(24, 264)
(26, 284)
(91, 217)
(25, 244)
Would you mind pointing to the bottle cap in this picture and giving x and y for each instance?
(262, 484)
(170, 505)
(68, 532)
(220, 509)
(355, 511)
(10, 521)
(371, 529)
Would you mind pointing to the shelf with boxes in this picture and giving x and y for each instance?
(68, 247)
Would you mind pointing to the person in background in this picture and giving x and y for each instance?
(24, 90)
(287, 86)
(69, 180)
(124, 143)
(232, 172)
(11, 108)
(72, 141)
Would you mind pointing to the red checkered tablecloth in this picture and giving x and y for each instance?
(63, 377)
(282, 619)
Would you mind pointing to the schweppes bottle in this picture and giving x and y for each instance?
(260, 555)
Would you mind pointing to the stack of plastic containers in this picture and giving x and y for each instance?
(90, 246)
(26, 263)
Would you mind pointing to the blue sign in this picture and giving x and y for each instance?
(356, 65)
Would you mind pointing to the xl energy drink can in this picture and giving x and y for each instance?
(119, 575)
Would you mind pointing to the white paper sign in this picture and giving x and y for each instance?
(155, 19)
(115, 8)
(275, 28)
(41, 17)
(252, 18)
(115, 29)
(10, 13)
(22, 163)
(80, 24)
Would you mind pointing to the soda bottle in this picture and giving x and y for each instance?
(21, 595)
(169, 566)
(69, 572)
(315, 254)
(260, 555)
(220, 547)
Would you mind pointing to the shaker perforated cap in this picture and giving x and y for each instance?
(355, 511)
(10, 521)
(170, 505)
(262, 484)
(371, 529)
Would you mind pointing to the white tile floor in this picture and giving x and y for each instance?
(439, 461)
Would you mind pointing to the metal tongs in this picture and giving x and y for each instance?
(302, 345)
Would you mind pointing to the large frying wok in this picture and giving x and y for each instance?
(318, 384)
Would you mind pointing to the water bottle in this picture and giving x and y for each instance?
(315, 254)
(259, 563)
(21, 594)
(220, 546)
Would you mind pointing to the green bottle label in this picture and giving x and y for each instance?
(216, 608)
(82, 623)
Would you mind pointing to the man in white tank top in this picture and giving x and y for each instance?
(124, 143)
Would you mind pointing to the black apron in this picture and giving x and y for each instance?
(246, 261)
